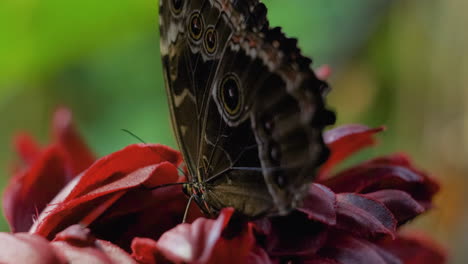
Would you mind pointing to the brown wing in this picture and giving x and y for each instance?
(246, 108)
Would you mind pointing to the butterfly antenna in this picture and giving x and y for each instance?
(133, 135)
(142, 141)
(184, 219)
(168, 185)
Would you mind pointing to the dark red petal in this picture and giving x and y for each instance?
(320, 204)
(31, 190)
(26, 248)
(46, 173)
(76, 244)
(101, 253)
(233, 249)
(344, 141)
(350, 250)
(145, 250)
(85, 209)
(416, 249)
(76, 235)
(152, 214)
(79, 156)
(194, 242)
(390, 172)
(400, 203)
(202, 242)
(27, 148)
(259, 256)
(114, 253)
(122, 163)
(124, 207)
(294, 234)
(363, 216)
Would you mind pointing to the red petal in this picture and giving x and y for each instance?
(194, 242)
(233, 250)
(76, 235)
(26, 248)
(114, 253)
(27, 148)
(77, 245)
(145, 250)
(416, 249)
(350, 250)
(344, 141)
(102, 253)
(122, 163)
(29, 191)
(152, 214)
(319, 204)
(401, 204)
(390, 172)
(47, 172)
(79, 156)
(363, 216)
(202, 242)
(105, 183)
(134, 212)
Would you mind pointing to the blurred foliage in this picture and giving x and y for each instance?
(397, 63)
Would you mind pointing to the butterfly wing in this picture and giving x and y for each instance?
(189, 70)
(246, 108)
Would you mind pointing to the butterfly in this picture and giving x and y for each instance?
(246, 108)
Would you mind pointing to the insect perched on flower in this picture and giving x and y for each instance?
(106, 211)
(249, 115)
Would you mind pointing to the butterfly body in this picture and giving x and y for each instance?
(246, 109)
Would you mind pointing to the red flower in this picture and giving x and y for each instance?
(107, 211)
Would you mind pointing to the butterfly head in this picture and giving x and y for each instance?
(196, 191)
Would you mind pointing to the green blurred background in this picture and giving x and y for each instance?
(398, 63)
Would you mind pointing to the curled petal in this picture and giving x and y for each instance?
(390, 172)
(320, 204)
(26, 248)
(27, 148)
(363, 216)
(194, 242)
(400, 203)
(203, 242)
(233, 247)
(122, 163)
(105, 183)
(30, 190)
(76, 235)
(87, 208)
(44, 172)
(145, 251)
(344, 141)
(78, 154)
(77, 245)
